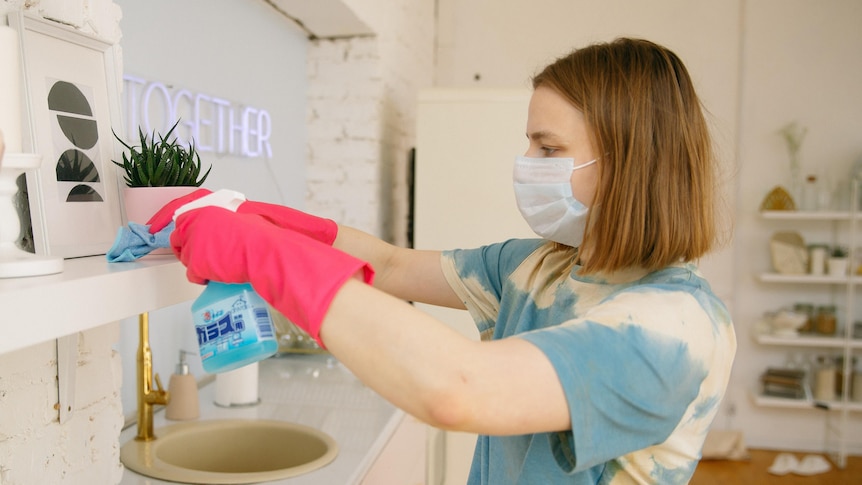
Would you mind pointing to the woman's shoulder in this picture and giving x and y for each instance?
(679, 290)
(509, 253)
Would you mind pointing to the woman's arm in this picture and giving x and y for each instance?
(502, 387)
(409, 274)
(415, 361)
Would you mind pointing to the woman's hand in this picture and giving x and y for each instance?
(296, 274)
(323, 230)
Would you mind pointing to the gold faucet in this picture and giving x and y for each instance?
(147, 397)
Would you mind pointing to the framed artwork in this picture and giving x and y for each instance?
(71, 92)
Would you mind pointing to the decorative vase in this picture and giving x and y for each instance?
(140, 203)
(796, 182)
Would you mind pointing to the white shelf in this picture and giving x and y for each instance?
(806, 341)
(88, 293)
(807, 278)
(787, 403)
(807, 215)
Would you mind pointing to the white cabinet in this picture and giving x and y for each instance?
(842, 228)
(402, 460)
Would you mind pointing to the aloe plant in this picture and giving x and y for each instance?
(161, 162)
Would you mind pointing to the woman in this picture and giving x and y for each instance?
(604, 355)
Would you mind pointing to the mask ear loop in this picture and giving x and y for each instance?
(584, 165)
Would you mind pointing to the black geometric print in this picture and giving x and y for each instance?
(80, 128)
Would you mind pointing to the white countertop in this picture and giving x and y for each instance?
(313, 390)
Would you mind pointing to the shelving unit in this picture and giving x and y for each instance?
(838, 409)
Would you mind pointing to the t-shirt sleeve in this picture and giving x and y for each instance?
(629, 372)
(477, 276)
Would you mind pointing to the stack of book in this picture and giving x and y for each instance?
(786, 383)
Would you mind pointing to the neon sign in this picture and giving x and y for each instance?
(215, 124)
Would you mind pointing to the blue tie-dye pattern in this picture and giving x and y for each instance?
(660, 474)
(639, 384)
(552, 458)
(491, 269)
(704, 408)
(683, 474)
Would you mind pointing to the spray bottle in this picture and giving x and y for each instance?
(232, 322)
(233, 326)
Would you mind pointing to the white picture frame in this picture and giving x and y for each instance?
(71, 105)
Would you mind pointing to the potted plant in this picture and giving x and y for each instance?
(156, 172)
(838, 261)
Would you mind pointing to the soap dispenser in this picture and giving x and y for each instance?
(183, 390)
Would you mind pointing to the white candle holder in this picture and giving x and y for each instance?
(14, 261)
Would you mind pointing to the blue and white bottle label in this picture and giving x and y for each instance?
(232, 323)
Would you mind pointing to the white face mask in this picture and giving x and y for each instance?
(543, 191)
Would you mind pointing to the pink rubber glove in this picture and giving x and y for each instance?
(297, 275)
(324, 230)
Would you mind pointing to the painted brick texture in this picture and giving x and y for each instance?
(362, 116)
(34, 446)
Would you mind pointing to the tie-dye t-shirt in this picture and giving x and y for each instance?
(643, 358)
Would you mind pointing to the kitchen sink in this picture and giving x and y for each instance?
(229, 451)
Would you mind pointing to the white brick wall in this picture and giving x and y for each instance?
(361, 112)
(344, 131)
(34, 446)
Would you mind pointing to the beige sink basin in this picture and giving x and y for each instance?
(229, 451)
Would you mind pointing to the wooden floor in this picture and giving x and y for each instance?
(754, 472)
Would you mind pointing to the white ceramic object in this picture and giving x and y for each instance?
(14, 261)
(837, 266)
(817, 263)
(787, 323)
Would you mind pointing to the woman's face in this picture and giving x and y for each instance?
(557, 129)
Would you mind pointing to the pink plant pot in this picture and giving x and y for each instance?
(141, 203)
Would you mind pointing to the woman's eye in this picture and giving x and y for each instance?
(548, 151)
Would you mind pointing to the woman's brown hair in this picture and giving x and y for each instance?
(655, 203)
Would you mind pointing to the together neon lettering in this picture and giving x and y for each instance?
(216, 125)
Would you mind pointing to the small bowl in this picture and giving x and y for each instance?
(786, 322)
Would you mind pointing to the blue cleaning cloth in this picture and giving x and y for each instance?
(135, 241)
